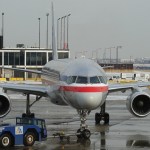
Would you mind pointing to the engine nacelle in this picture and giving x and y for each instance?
(5, 105)
(138, 103)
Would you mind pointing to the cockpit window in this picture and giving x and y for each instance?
(71, 79)
(94, 79)
(102, 79)
(82, 80)
(63, 78)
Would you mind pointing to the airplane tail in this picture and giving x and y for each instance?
(55, 54)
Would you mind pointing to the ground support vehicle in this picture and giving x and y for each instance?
(25, 132)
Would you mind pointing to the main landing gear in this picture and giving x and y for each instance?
(83, 132)
(102, 116)
(28, 106)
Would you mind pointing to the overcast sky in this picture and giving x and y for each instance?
(93, 24)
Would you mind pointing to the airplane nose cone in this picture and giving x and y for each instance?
(88, 101)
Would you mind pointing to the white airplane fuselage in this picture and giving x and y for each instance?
(81, 83)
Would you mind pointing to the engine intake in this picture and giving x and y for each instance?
(5, 105)
(138, 104)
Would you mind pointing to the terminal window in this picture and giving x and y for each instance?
(36, 58)
(1, 58)
(13, 58)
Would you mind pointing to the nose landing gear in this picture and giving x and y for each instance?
(83, 132)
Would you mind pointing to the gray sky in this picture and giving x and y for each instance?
(93, 24)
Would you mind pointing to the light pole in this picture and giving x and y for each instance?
(63, 44)
(3, 73)
(67, 29)
(39, 32)
(61, 34)
(64, 32)
(58, 33)
(47, 31)
(3, 29)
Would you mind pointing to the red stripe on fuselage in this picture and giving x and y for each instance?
(84, 88)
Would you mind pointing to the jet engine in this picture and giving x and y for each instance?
(138, 103)
(5, 105)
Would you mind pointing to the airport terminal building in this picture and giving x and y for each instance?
(26, 58)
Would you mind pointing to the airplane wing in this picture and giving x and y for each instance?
(23, 70)
(26, 88)
(124, 87)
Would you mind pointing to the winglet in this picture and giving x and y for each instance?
(55, 55)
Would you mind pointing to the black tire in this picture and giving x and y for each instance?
(97, 118)
(106, 120)
(6, 140)
(79, 134)
(86, 134)
(29, 139)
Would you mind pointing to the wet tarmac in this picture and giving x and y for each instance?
(124, 132)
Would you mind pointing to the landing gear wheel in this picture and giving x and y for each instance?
(83, 132)
(79, 134)
(29, 139)
(86, 134)
(106, 118)
(97, 118)
(6, 140)
(100, 116)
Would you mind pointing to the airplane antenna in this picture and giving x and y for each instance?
(55, 55)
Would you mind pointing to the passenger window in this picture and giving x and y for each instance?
(82, 80)
(94, 79)
(71, 79)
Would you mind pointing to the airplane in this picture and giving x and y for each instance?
(80, 83)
